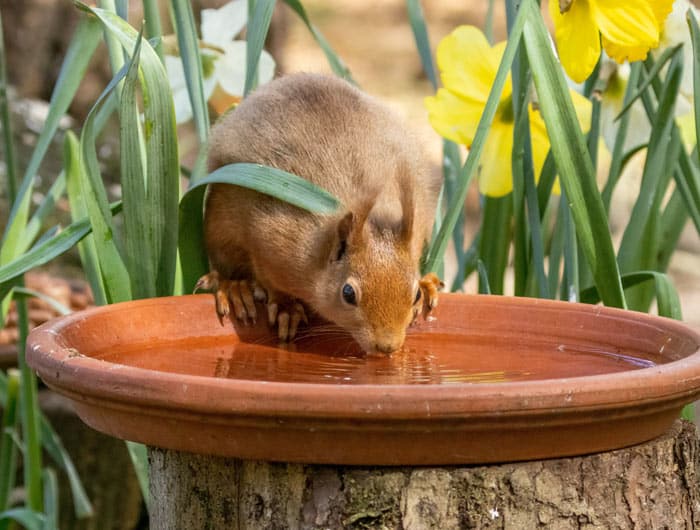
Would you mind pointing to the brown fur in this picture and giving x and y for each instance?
(326, 131)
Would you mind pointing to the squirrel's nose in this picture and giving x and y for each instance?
(388, 343)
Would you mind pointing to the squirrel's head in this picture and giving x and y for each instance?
(369, 281)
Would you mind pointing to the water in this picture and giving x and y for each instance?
(425, 359)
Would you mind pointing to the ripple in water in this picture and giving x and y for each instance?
(425, 359)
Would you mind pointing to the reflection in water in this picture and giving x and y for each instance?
(425, 359)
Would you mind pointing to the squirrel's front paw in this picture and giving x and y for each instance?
(286, 313)
(430, 285)
(241, 294)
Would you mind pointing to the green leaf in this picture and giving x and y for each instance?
(51, 500)
(54, 447)
(495, 241)
(49, 249)
(154, 31)
(138, 247)
(420, 34)
(573, 161)
(439, 243)
(484, 287)
(258, 27)
(30, 519)
(78, 55)
(114, 274)
(78, 211)
(666, 295)
(55, 304)
(139, 458)
(334, 60)
(188, 44)
(270, 181)
(8, 449)
(650, 77)
(640, 241)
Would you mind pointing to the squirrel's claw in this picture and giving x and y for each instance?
(241, 294)
(286, 314)
(430, 285)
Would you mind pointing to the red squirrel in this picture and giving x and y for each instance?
(358, 267)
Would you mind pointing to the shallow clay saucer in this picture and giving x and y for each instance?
(491, 379)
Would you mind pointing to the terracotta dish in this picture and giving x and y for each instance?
(491, 379)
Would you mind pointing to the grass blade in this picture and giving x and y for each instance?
(77, 57)
(137, 244)
(695, 40)
(439, 243)
(54, 447)
(188, 43)
(30, 519)
(49, 249)
(573, 161)
(113, 271)
(8, 449)
(51, 501)
(420, 34)
(78, 211)
(494, 242)
(258, 26)
(139, 458)
(334, 60)
(666, 294)
(274, 182)
(154, 30)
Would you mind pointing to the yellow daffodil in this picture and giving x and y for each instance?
(468, 67)
(628, 30)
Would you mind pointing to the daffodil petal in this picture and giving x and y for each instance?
(662, 8)
(629, 28)
(577, 38)
(540, 146)
(453, 117)
(468, 63)
(582, 107)
(496, 173)
(220, 26)
(230, 68)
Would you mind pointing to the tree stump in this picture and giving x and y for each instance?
(651, 485)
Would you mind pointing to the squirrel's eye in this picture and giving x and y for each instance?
(349, 294)
(417, 297)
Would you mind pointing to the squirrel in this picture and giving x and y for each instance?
(357, 268)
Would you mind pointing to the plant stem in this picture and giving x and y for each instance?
(154, 28)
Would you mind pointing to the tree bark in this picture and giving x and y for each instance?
(652, 485)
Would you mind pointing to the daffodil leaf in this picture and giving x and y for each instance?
(30, 519)
(652, 75)
(688, 182)
(695, 40)
(484, 287)
(573, 160)
(666, 294)
(673, 220)
(334, 60)
(154, 30)
(495, 241)
(78, 211)
(188, 45)
(640, 240)
(570, 281)
(258, 27)
(114, 272)
(161, 153)
(270, 181)
(545, 184)
(618, 160)
(439, 242)
(420, 34)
